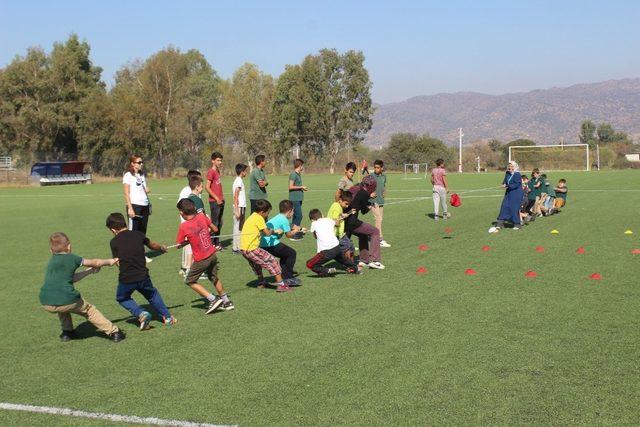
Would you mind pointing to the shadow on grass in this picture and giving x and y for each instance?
(146, 307)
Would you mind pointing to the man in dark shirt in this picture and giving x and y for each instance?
(134, 275)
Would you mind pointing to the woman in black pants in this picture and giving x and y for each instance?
(135, 195)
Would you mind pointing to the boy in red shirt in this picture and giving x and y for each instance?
(195, 232)
(216, 197)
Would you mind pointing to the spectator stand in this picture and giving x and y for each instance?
(59, 173)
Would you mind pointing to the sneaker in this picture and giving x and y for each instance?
(213, 305)
(446, 215)
(331, 270)
(67, 336)
(362, 264)
(436, 218)
(169, 321)
(284, 288)
(294, 281)
(117, 336)
(204, 276)
(377, 265)
(516, 228)
(144, 319)
(183, 272)
(227, 306)
(148, 260)
(494, 229)
(219, 248)
(384, 244)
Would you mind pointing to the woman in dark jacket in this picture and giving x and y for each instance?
(510, 209)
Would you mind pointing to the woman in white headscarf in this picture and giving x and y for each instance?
(510, 209)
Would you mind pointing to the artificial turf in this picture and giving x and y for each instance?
(386, 347)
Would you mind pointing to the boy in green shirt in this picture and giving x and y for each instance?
(561, 193)
(258, 182)
(195, 184)
(536, 191)
(296, 195)
(377, 203)
(547, 206)
(58, 295)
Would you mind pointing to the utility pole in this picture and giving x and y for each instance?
(460, 135)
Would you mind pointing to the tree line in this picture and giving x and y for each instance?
(174, 109)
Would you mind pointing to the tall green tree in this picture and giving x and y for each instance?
(244, 115)
(406, 148)
(588, 133)
(43, 100)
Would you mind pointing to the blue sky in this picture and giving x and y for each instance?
(412, 48)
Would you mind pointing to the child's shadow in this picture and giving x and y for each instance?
(86, 330)
(146, 307)
(268, 284)
(431, 215)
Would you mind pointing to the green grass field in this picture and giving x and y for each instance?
(385, 347)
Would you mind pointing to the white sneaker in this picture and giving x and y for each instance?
(331, 270)
(377, 265)
(494, 230)
(384, 244)
(516, 228)
(362, 264)
(148, 260)
(446, 215)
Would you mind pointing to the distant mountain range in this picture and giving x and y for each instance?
(544, 116)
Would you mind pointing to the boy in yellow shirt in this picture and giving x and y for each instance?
(254, 228)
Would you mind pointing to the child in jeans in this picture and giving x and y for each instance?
(273, 243)
(329, 249)
(239, 205)
(440, 189)
(128, 247)
(58, 295)
(547, 205)
(195, 231)
(254, 228)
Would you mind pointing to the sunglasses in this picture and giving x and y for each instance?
(138, 163)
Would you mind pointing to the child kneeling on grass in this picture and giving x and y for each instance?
(328, 246)
(195, 231)
(128, 247)
(274, 245)
(58, 295)
(254, 228)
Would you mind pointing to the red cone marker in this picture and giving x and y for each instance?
(580, 250)
(423, 247)
(539, 249)
(531, 274)
(470, 272)
(486, 248)
(421, 270)
(448, 230)
(595, 276)
(636, 251)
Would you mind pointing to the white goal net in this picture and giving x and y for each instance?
(551, 157)
(415, 170)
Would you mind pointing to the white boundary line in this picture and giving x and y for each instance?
(131, 419)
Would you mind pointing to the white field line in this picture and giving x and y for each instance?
(131, 419)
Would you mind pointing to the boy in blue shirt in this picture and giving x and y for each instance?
(275, 247)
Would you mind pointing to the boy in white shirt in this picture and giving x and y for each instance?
(329, 249)
(239, 205)
(187, 255)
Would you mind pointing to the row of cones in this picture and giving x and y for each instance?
(529, 274)
(539, 249)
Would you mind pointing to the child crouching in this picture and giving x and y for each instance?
(58, 295)
(329, 248)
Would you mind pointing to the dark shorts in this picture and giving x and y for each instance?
(208, 266)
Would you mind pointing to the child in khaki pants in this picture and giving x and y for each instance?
(58, 295)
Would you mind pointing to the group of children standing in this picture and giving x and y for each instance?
(258, 238)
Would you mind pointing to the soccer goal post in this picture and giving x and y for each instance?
(555, 157)
(416, 170)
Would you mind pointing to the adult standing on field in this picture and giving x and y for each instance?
(216, 196)
(135, 195)
(440, 189)
(258, 182)
(510, 209)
